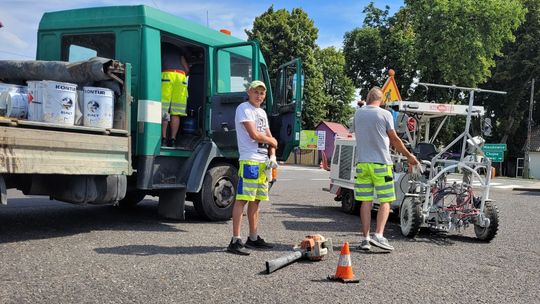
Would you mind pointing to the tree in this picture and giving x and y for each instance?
(382, 43)
(363, 51)
(284, 36)
(457, 41)
(440, 41)
(515, 67)
(338, 88)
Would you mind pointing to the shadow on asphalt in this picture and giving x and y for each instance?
(145, 250)
(39, 218)
(528, 193)
(332, 219)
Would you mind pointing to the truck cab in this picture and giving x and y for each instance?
(202, 166)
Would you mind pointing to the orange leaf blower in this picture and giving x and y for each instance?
(312, 247)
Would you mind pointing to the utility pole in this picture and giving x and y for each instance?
(526, 163)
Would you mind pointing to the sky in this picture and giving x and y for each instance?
(20, 18)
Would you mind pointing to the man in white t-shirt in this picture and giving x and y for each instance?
(257, 150)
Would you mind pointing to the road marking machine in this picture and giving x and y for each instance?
(425, 198)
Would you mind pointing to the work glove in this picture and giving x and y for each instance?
(416, 171)
(268, 172)
(272, 162)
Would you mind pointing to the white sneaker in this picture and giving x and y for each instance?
(381, 242)
(364, 245)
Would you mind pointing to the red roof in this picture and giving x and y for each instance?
(335, 127)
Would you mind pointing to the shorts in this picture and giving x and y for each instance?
(174, 94)
(378, 177)
(252, 184)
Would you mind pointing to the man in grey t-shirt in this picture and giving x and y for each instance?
(374, 132)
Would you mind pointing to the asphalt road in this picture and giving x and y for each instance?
(54, 252)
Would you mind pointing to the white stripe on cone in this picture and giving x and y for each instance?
(344, 260)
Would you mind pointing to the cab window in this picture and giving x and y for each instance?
(234, 72)
(85, 46)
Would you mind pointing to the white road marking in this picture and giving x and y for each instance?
(506, 186)
(292, 168)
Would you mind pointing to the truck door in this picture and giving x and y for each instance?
(286, 111)
(235, 66)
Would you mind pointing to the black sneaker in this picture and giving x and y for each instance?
(258, 244)
(163, 142)
(172, 142)
(237, 248)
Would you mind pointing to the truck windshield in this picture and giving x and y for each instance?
(84, 46)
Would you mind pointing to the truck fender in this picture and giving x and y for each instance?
(204, 155)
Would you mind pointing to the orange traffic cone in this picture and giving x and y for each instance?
(344, 271)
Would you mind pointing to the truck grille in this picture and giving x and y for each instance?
(345, 163)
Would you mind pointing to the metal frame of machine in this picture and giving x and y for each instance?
(432, 201)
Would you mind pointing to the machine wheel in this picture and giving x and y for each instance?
(486, 234)
(348, 203)
(131, 199)
(410, 217)
(216, 199)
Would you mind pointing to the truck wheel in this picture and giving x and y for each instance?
(486, 234)
(216, 199)
(348, 203)
(410, 217)
(131, 199)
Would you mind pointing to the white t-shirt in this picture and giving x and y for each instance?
(250, 149)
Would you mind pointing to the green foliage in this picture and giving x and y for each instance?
(466, 43)
(457, 40)
(284, 36)
(363, 51)
(338, 88)
(383, 43)
(515, 67)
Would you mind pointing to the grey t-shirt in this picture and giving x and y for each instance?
(372, 143)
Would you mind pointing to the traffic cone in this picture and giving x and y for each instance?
(344, 272)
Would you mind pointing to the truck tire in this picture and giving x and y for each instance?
(131, 199)
(216, 199)
(486, 234)
(348, 203)
(410, 217)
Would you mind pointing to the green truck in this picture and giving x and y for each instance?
(123, 164)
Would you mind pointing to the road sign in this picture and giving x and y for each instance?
(390, 89)
(321, 140)
(494, 147)
(308, 140)
(496, 157)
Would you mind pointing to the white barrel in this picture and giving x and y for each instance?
(16, 105)
(98, 107)
(35, 100)
(78, 109)
(5, 89)
(3, 105)
(59, 100)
